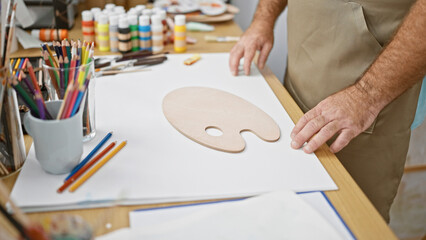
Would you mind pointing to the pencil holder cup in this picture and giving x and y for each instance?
(12, 147)
(58, 144)
(59, 81)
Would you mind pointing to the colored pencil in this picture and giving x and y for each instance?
(28, 83)
(67, 100)
(82, 170)
(40, 105)
(66, 70)
(24, 96)
(95, 168)
(64, 102)
(33, 76)
(16, 67)
(52, 73)
(47, 48)
(72, 69)
(61, 75)
(73, 97)
(22, 67)
(76, 106)
(68, 49)
(90, 155)
(64, 49)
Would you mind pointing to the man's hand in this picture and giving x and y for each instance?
(347, 113)
(352, 110)
(257, 37)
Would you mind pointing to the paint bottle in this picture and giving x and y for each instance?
(119, 9)
(147, 12)
(144, 33)
(47, 34)
(87, 26)
(157, 34)
(155, 10)
(163, 16)
(103, 33)
(124, 43)
(110, 7)
(96, 21)
(106, 12)
(140, 8)
(113, 33)
(95, 12)
(132, 11)
(133, 25)
(180, 34)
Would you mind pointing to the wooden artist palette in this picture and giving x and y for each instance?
(194, 111)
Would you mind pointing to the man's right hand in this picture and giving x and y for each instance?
(259, 36)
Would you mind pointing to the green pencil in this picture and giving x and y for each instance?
(66, 66)
(27, 99)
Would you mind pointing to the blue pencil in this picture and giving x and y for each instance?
(19, 67)
(89, 156)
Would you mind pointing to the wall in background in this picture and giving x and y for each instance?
(277, 60)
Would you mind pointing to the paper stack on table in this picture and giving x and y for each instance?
(159, 164)
(276, 215)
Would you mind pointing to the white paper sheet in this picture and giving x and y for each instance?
(145, 218)
(161, 165)
(276, 215)
(27, 40)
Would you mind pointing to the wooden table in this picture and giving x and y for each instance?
(354, 207)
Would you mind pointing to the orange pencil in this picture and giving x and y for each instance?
(85, 167)
(96, 167)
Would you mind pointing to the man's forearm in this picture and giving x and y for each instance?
(401, 64)
(268, 11)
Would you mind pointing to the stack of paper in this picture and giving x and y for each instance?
(159, 164)
(277, 215)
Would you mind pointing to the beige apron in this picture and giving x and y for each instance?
(330, 44)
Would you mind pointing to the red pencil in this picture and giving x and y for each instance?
(64, 49)
(32, 75)
(71, 72)
(72, 102)
(67, 102)
(85, 167)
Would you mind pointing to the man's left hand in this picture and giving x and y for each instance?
(346, 113)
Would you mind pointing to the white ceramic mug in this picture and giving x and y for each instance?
(58, 143)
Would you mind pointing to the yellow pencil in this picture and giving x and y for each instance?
(15, 68)
(96, 167)
(83, 52)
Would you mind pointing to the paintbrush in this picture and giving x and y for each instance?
(19, 220)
